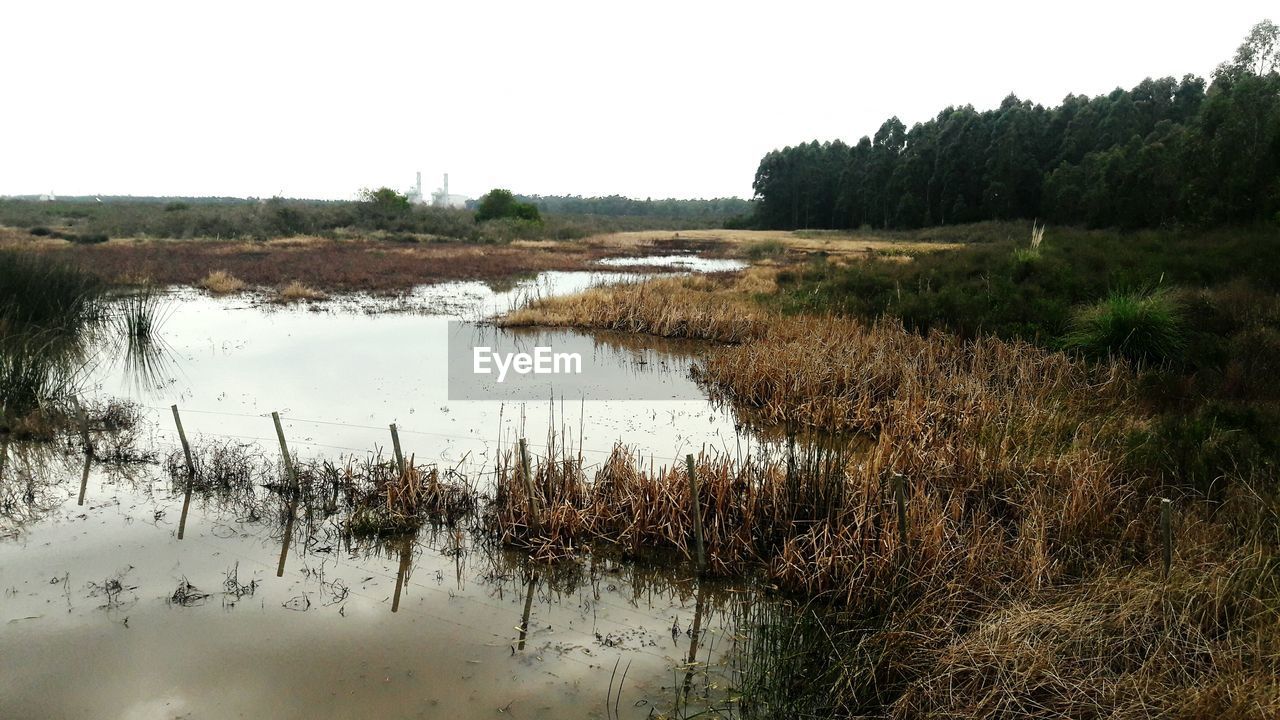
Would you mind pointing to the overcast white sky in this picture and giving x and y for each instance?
(654, 98)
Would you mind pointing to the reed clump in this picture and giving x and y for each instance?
(385, 501)
(297, 290)
(693, 307)
(371, 496)
(221, 282)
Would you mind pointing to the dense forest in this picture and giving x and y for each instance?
(1166, 153)
(716, 209)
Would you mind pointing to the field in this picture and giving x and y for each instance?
(384, 262)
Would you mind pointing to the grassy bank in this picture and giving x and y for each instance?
(1023, 578)
(1198, 312)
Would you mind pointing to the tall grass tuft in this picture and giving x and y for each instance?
(40, 293)
(1146, 328)
(46, 309)
(221, 282)
(139, 317)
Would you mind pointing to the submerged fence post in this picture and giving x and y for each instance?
(84, 478)
(1166, 532)
(84, 428)
(182, 435)
(395, 443)
(534, 513)
(284, 452)
(696, 511)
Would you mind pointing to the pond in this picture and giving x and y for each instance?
(125, 597)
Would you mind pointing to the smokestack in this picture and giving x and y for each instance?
(446, 189)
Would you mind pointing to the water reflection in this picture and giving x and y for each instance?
(402, 573)
(238, 363)
(528, 605)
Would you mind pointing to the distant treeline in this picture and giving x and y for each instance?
(713, 210)
(190, 200)
(88, 220)
(1167, 152)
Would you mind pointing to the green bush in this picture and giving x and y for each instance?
(498, 204)
(1142, 327)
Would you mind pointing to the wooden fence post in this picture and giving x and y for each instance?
(696, 510)
(534, 511)
(84, 478)
(84, 428)
(186, 447)
(395, 443)
(284, 452)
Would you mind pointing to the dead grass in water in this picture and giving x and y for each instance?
(1027, 582)
(371, 496)
(221, 282)
(695, 306)
(325, 264)
(296, 291)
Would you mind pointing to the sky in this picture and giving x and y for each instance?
(645, 99)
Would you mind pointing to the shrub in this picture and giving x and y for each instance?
(499, 203)
(298, 291)
(383, 208)
(761, 249)
(221, 282)
(1143, 327)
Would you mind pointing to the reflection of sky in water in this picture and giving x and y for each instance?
(339, 373)
(684, 262)
(321, 640)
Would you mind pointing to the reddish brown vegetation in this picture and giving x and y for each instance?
(335, 265)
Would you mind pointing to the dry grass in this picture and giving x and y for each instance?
(695, 307)
(737, 242)
(221, 282)
(296, 291)
(1026, 581)
(371, 496)
(330, 265)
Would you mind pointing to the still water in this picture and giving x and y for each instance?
(106, 613)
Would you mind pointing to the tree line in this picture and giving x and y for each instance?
(1167, 152)
(715, 209)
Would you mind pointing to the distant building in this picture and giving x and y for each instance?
(49, 197)
(415, 195)
(442, 198)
